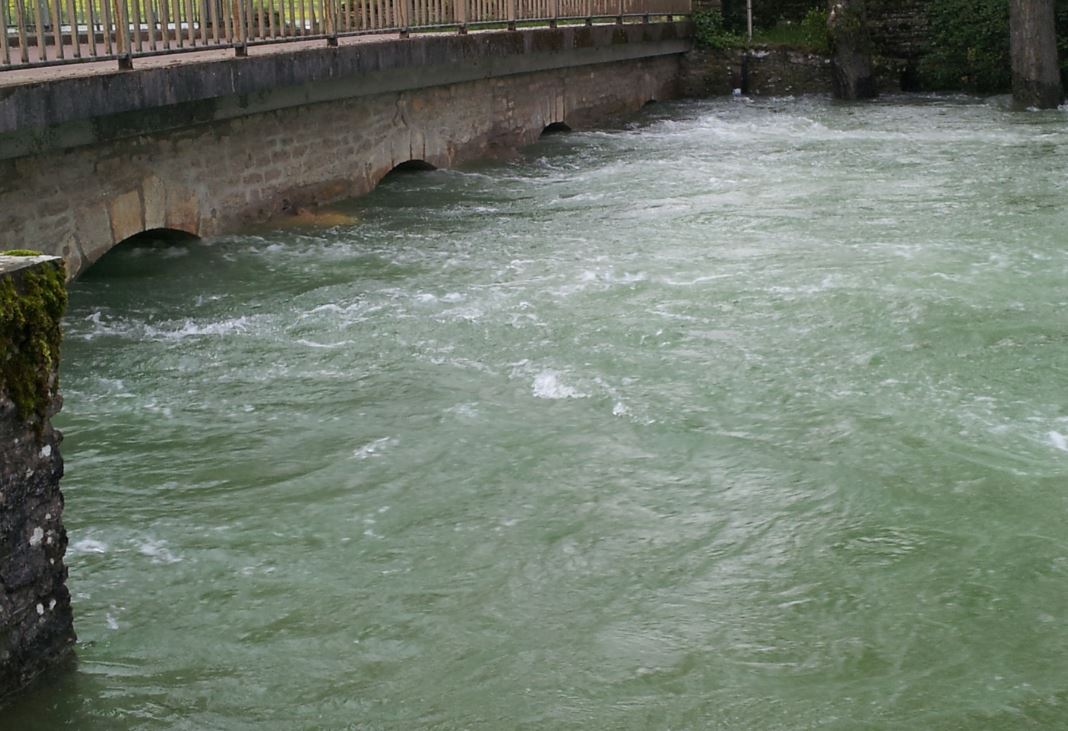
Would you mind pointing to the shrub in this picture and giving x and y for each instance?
(969, 46)
(709, 30)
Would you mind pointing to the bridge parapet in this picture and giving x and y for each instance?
(37, 34)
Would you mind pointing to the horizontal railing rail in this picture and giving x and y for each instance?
(52, 32)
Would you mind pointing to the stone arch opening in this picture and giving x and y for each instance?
(150, 245)
(555, 128)
(650, 103)
(411, 166)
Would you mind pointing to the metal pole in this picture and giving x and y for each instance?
(749, 18)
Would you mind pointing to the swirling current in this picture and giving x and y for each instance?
(741, 414)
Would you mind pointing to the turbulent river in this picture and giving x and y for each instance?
(740, 415)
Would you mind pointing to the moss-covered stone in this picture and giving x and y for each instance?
(32, 302)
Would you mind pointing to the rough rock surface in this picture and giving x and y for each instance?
(36, 627)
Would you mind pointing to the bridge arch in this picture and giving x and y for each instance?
(555, 128)
(412, 166)
(163, 238)
(153, 206)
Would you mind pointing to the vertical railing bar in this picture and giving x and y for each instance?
(105, 12)
(5, 53)
(259, 19)
(42, 46)
(57, 24)
(165, 23)
(202, 20)
(271, 23)
(153, 23)
(179, 36)
(228, 21)
(20, 11)
(91, 33)
(191, 34)
(214, 12)
(290, 27)
(75, 40)
(136, 20)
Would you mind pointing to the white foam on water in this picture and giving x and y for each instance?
(327, 346)
(1058, 440)
(87, 545)
(193, 329)
(547, 385)
(157, 551)
(123, 327)
(375, 448)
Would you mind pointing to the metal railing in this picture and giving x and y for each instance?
(51, 32)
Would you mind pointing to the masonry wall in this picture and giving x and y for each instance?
(211, 178)
(757, 71)
(35, 614)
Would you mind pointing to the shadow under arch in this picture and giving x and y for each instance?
(555, 128)
(138, 253)
(411, 166)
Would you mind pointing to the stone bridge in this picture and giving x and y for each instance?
(210, 143)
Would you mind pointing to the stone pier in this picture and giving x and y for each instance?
(36, 628)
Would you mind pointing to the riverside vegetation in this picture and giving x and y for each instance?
(967, 41)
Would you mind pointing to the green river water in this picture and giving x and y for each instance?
(740, 415)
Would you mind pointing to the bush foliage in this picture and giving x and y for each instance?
(969, 46)
(710, 30)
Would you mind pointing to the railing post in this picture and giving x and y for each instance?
(461, 15)
(331, 10)
(554, 12)
(619, 18)
(241, 45)
(512, 14)
(589, 12)
(406, 21)
(122, 36)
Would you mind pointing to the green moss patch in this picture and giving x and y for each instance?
(32, 303)
(21, 252)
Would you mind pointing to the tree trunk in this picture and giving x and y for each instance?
(1036, 74)
(851, 60)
